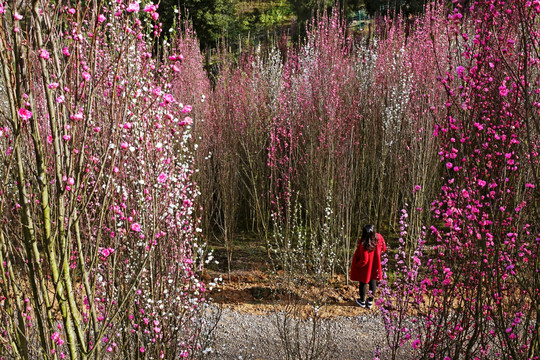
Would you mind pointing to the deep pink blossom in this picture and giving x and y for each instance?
(25, 114)
(162, 178)
(44, 54)
(168, 98)
(136, 227)
(150, 8)
(503, 91)
(106, 252)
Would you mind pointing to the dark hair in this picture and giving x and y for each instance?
(369, 238)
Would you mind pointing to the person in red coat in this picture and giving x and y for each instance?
(366, 264)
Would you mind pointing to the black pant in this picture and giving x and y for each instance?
(363, 289)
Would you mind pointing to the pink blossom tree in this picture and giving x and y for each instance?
(477, 296)
(98, 238)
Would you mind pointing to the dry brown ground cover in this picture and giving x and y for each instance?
(252, 286)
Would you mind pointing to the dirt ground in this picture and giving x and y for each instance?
(252, 292)
(251, 310)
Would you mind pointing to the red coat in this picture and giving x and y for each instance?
(366, 265)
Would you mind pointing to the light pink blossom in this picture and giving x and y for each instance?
(133, 7)
(136, 227)
(77, 116)
(187, 121)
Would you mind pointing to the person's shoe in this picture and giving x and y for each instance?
(361, 303)
(370, 303)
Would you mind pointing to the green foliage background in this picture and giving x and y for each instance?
(230, 20)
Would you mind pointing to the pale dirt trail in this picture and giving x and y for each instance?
(247, 335)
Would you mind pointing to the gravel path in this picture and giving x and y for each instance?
(241, 335)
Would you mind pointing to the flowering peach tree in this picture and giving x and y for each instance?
(99, 249)
(472, 283)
